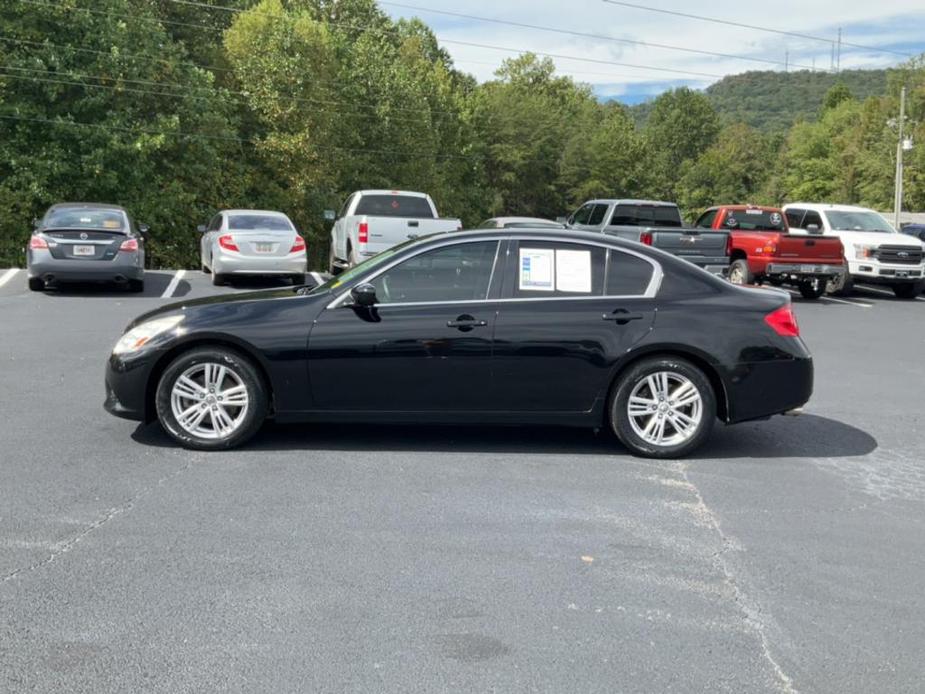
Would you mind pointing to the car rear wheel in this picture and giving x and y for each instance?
(206, 270)
(812, 289)
(36, 284)
(333, 267)
(219, 279)
(663, 407)
(907, 291)
(211, 399)
(739, 273)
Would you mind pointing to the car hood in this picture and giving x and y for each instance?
(194, 305)
(876, 238)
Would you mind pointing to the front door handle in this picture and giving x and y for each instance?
(622, 316)
(465, 323)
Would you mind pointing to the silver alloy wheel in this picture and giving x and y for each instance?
(665, 409)
(209, 401)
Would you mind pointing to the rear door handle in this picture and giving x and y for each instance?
(465, 323)
(413, 223)
(621, 316)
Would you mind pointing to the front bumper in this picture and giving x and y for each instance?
(879, 273)
(125, 266)
(237, 264)
(126, 384)
(804, 270)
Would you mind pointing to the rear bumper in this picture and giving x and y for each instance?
(763, 389)
(804, 270)
(237, 264)
(125, 266)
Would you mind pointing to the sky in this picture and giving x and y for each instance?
(632, 73)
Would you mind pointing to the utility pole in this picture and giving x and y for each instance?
(898, 198)
(838, 53)
(787, 61)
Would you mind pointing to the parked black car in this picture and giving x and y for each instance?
(522, 326)
(86, 242)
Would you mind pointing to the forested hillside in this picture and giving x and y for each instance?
(176, 109)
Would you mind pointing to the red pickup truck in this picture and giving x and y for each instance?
(763, 249)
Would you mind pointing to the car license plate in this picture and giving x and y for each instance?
(84, 250)
(810, 269)
(263, 247)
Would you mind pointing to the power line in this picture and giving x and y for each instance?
(567, 32)
(741, 25)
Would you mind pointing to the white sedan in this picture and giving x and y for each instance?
(252, 242)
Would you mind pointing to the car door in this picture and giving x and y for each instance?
(569, 311)
(425, 346)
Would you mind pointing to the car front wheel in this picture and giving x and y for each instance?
(211, 399)
(663, 408)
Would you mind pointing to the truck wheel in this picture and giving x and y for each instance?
(663, 407)
(36, 284)
(842, 285)
(739, 273)
(812, 289)
(332, 262)
(907, 291)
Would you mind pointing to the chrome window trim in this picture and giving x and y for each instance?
(651, 292)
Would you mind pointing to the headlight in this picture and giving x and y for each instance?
(861, 251)
(140, 335)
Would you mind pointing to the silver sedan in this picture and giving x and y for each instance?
(252, 242)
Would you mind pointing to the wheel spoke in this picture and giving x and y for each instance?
(185, 387)
(218, 377)
(641, 406)
(653, 386)
(658, 434)
(221, 420)
(235, 396)
(681, 427)
(192, 417)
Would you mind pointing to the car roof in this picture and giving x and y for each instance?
(631, 201)
(737, 208)
(410, 193)
(522, 220)
(267, 212)
(84, 205)
(823, 206)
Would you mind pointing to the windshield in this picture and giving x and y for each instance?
(754, 220)
(858, 221)
(86, 218)
(246, 222)
(347, 275)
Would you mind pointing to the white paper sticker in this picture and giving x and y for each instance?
(536, 269)
(573, 271)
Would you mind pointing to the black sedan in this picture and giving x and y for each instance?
(513, 327)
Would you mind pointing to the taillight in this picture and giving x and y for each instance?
(298, 245)
(129, 245)
(37, 243)
(227, 242)
(363, 233)
(645, 238)
(783, 321)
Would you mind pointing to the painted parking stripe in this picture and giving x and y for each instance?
(859, 304)
(317, 278)
(172, 287)
(8, 275)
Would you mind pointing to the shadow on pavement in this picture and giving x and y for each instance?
(155, 284)
(809, 436)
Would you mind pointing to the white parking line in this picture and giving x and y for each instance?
(172, 287)
(8, 275)
(859, 304)
(316, 276)
(865, 288)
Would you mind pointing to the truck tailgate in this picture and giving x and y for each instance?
(813, 250)
(385, 232)
(691, 244)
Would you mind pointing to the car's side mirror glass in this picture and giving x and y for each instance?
(144, 229)
(363, 295)
(330, 215)
(813, 228)
(201, 228)
(36, 222)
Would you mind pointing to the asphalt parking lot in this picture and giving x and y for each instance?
(787, 555)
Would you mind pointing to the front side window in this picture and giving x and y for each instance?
(216, 223)
(583, 214)
(858, 221)
(394, 206)
(706, 219)
(628, 274)
(461, 272)
(85, 218)
(551, 269)
(597, 215)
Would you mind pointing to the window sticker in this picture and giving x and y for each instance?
(537, 272)
(776, 218)
(573, 271)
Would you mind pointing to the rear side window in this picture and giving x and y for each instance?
(597, 214)
(754, 220)
(547, 269)
(795, 218)
(394, 206)
(812, 218)
(627, 274)
(646, 216)
(216, 223)
(270, 222)
(85, 218)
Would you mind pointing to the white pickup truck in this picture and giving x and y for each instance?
(875, 253)
(372, 221)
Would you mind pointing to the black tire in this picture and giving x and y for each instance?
(206, 270)
(136, 286)
(298, 280)
(258, 398)
(739, 269)
(812, 289)
(352, 258)
(36, 284)
(639, 372)
(907, 291)
(219, 280)
(333, 267)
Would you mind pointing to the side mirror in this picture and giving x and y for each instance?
(813, 229)
(144, 229)
(364, 295)
(562, 220)
(330, 215)
(36, 222)
(201, 228)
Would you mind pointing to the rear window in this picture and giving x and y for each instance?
(271, 222)
(86, 218)
(394, 206)
(754, 220)
(646, 216)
